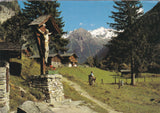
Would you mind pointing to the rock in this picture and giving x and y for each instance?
(34, 107)
(4, 109)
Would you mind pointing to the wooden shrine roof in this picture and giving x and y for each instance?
(40, 20)
(44, 19)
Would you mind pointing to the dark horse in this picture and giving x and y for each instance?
(91, 79)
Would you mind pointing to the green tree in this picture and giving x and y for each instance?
(34, 9)
(122, 47)
(90, 61)
(13, 29)
(127, 12)
(2, 32)
(96, 61)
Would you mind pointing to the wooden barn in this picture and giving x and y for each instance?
(57, 60)
(53, 59)
(69, 59)
(9, 50)
(125, 72)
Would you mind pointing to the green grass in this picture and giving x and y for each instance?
(142, 98)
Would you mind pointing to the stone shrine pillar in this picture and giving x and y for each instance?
(4, 89)
(50, 85)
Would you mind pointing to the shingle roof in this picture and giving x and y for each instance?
(52, 55)
(68, 54)
(10, 46)
(43, 19)
(37, 56)
(40, 20)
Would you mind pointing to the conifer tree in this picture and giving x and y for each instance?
(122, 46)
(34, 9)
(127, 13)
(13, 29)
(1, 32)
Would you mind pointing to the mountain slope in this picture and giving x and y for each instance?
(8, 9)
(89, 43)
(82, 43)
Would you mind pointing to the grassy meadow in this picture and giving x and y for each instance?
(142, 98)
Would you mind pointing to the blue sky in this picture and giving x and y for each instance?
(89, 14)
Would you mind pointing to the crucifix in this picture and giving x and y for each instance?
(43, 27)
(46, 41)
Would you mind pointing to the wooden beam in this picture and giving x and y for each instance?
(55, 25)
(42, 59)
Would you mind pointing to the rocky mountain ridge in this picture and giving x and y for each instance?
(8, 9)
(84, 44)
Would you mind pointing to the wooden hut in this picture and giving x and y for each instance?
(9, 50)
(57, 60)
(53, 59)
(69, 59)
(125, 72)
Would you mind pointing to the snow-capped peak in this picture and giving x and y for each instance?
(103, 33)
(66, 35)
(100, 33)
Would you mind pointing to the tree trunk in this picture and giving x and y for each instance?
(132, 74)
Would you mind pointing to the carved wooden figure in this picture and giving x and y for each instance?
(46, 41)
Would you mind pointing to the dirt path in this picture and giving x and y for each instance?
(85, 94)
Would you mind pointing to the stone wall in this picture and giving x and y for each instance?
(4, 89)
(50, 85)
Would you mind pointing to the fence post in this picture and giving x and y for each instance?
(126, 80)
(144, 79)
(119, 84)
(115, 79)
(101, 81)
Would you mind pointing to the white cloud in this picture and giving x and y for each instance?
(81, 24)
